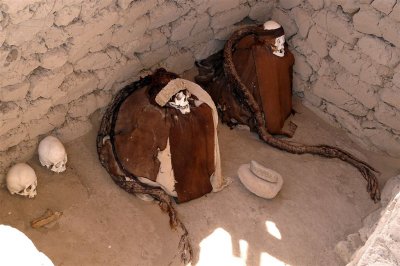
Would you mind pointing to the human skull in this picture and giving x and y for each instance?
(180, 101)
(279, 44)
(52, 154)
(21, 179)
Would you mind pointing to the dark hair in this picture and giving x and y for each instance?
(160, 79)
(273, 33)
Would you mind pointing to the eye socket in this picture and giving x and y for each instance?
(27, 189)
(280, 40)
(179, 96)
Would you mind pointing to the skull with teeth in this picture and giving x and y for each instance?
(278, 44)
(52, 154)
(21, 179)
(180, 101)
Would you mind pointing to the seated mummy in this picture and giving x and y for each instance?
(166, 136)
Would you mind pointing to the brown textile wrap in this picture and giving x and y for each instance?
(112, 135)
(192, 152)
(268, 77)
(220, 76)
(142, 129)
(231, 109)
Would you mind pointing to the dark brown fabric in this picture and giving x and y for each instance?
(268, 78)
(230, 110)
(142, 130)
(274, 75)
(271, 33)
(243, 59)
(192, 152)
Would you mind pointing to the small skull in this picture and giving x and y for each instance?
(21, 179)
(180, 101)
(52, 154)
(279, 49)
(279, 43)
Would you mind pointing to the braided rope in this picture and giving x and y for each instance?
(127, 180)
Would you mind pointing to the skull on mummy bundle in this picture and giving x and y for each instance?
(180, 101)
(21, 179)
(52, 154)
(279, 43)
(280, 46)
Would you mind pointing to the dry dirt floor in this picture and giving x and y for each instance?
(321, 202)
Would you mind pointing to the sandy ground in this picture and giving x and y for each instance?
(321, 202)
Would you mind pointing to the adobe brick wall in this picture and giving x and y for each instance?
(62, 60)
(347, 65)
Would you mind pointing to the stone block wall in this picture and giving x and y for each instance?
(378, 241)
(61, 60)
(347, 64)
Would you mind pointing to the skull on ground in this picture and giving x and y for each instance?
(21, 179)
(52, 154)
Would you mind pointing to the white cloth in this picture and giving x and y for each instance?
(17, 249)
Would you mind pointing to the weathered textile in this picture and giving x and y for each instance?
(134, 121)
(142, 130)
